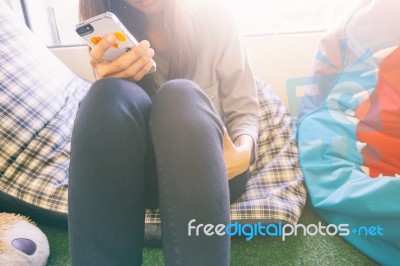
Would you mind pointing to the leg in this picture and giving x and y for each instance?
(237, 185)
(188, 139)
(106, 189)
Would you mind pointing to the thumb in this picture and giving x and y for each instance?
(227, 139)
(102, 46)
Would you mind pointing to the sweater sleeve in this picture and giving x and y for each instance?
(237, 90)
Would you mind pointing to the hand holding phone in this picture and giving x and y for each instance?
(115, 52)
(133, 65)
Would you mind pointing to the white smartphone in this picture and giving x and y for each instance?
(92, 30)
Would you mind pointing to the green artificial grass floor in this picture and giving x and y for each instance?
(296, 250)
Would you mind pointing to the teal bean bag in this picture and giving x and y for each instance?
(349, 130)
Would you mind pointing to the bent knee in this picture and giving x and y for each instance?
(176, 89)
(175, 98)
(110, 90)
(184, 105)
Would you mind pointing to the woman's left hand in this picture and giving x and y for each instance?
(237, 154)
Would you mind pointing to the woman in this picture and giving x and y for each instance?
(180, 139)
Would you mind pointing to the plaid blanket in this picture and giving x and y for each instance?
(39, 98)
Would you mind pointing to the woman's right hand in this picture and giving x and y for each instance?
(132, 65)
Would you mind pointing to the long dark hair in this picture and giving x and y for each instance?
(179, 26)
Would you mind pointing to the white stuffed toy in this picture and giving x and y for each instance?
(21, 242)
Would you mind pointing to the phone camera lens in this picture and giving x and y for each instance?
(84, 30)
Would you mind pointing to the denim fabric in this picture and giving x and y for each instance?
(129, 152)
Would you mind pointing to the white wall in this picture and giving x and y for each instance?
(15, 5)
(275, 58)
(278, 58)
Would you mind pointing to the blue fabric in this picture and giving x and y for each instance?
(340, 191)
